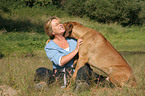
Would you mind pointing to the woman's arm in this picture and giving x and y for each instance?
(68, 57)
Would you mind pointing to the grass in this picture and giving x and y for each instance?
(19, 73)
(22, 41)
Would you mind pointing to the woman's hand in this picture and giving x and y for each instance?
(71, 55)
(79, 42)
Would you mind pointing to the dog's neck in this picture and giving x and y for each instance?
(78, 32)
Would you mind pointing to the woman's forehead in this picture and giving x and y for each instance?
(54, 21)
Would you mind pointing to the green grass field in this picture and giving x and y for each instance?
(22, 41)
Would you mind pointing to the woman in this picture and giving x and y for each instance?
(61, 51)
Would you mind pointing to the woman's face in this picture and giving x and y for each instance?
(57, 27)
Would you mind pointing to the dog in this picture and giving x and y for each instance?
(99, 54)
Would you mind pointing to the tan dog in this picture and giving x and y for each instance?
(99, 54)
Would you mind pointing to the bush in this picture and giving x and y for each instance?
(3, 9)
(100, 10)
(59, 3)
(76, 7)
(128, 12)
(125, 12)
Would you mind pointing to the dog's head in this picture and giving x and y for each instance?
(72, 29)
(68, 29)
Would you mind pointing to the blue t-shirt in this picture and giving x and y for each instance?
(55, 53)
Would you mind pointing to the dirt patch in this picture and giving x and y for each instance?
(134, 52)
(6, 90)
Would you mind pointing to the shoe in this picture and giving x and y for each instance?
(82, 86)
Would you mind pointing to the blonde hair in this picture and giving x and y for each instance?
(48, 28)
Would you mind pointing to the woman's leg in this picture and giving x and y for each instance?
(84, 74)
(45, 75)
(63, 76)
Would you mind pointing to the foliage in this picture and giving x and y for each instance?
(27, 19)
(125, 12)
(76, 7)
(3, 9)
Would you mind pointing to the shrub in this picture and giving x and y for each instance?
(100, 10)
(129, 11)
(125, 12)
(76, 7)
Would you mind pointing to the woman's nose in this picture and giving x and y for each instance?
(61, 25)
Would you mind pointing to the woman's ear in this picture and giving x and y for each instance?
(53, 33)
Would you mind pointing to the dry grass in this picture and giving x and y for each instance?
(18, 73)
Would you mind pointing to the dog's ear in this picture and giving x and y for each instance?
(68, 29)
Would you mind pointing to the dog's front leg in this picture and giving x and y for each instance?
(81, 62)
(83, 59)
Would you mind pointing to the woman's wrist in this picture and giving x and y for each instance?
(76, 50)
(68, 57)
